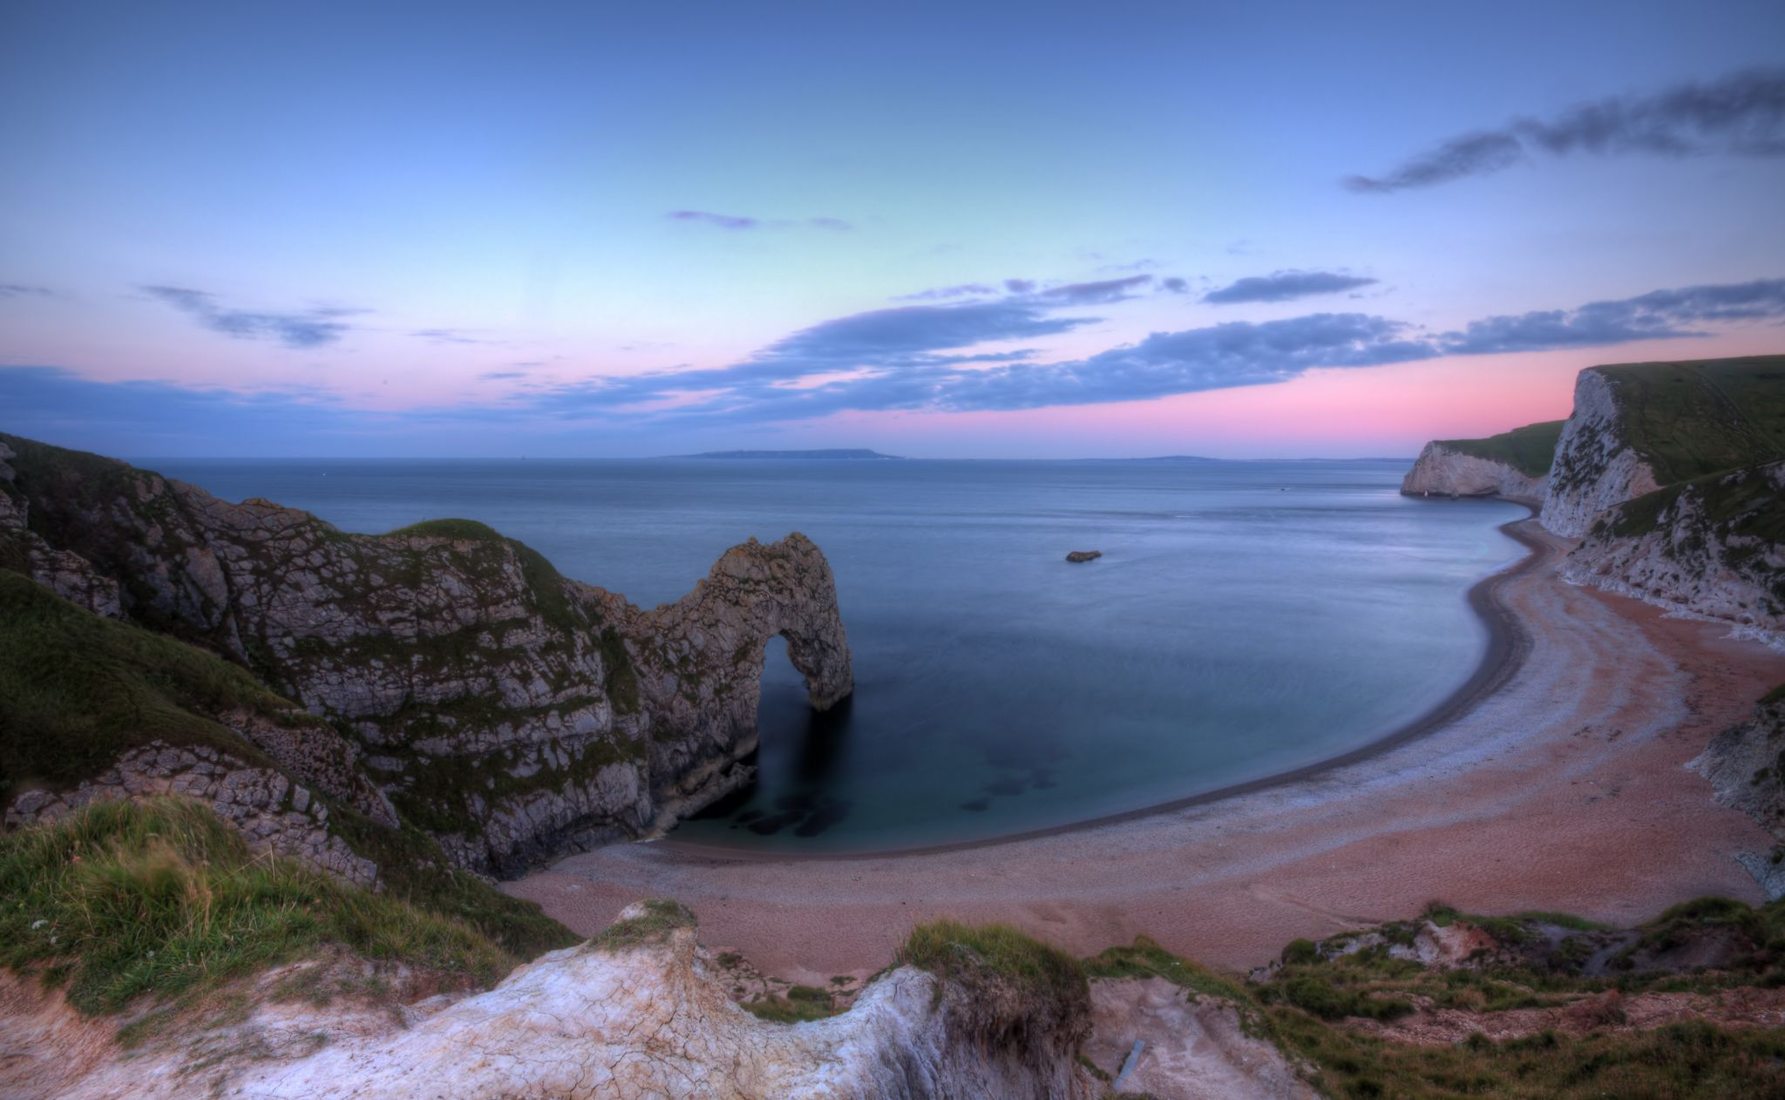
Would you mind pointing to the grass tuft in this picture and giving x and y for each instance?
(969, 953)
(660, 918)
(122, 899)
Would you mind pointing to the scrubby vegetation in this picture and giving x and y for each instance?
(659, 918)
(1318, 1005)
(122, 899)
(973, 953)
(77, 690)
(1529, 449)
(802, 1003)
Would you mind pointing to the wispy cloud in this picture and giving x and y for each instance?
(929, 357)
(1102, 292)
(452, 336)
(746, 221)
(24, 290)
(1658, 315)
(1285, 286)
(308, 328)
(1739, 115)
(947, 293)
(939, 357)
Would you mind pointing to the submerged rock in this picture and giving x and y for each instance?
(1084, 555)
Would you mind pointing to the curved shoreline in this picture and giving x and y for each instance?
(1565, 788)
(1508, 645)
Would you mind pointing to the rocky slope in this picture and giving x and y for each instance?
(1746, 767)
(1639, 426)
(1713, 547)
(1669, 473)
(511, 713)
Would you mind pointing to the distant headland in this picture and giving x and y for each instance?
(834, 454)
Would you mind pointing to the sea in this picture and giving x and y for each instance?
(1245, 619)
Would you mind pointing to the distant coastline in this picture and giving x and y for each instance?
(832, 454)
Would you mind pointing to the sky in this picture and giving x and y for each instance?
(951, 230)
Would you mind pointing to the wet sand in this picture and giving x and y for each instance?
(1554, 780)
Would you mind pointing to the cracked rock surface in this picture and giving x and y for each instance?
(512, 713)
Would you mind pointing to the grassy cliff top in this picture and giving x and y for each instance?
(1529, 449)
(77, 691)
(1696, 417)
(125, 898)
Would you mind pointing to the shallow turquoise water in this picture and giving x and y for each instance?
(1246, 618)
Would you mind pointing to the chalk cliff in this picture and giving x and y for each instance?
(511, 713)
(1596, 466)
(1444, 470)
(638, 1012)
(1713, 547)
(1668, 473)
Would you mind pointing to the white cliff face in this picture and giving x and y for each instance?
(1699, 555)
(1443, 471)
(1595, 468)
(644, 1020)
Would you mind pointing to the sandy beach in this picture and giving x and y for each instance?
(1555, 780)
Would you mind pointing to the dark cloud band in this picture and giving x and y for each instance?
(1740, 115)
(1285, 286)
(302, 329)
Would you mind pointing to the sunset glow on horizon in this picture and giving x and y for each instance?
(942, 231)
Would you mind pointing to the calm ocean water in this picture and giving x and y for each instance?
(1246, 618)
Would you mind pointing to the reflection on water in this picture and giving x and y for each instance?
(1245, 619)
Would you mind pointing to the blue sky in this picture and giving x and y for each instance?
(934, 229)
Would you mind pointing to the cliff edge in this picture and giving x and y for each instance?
(1671, 475)
(452, 675)
(1513, 465)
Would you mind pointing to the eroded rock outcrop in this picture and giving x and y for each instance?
(272, 813)
(1444, 470)
(1746, 767)
(635, 1013)
(510, 712)
(1596, 466)
(1709, 548)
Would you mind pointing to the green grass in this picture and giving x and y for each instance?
(122, 899)
(1309, 1009)
(1744, 507)
(1530, 449)
(1146, 959)
(660, 918)
(971, 953)
(1693, 418)
(802, 1003)
(77, 690)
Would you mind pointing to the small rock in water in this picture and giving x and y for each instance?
(1084, 555)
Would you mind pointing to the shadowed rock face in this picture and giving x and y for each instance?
(508, 711)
